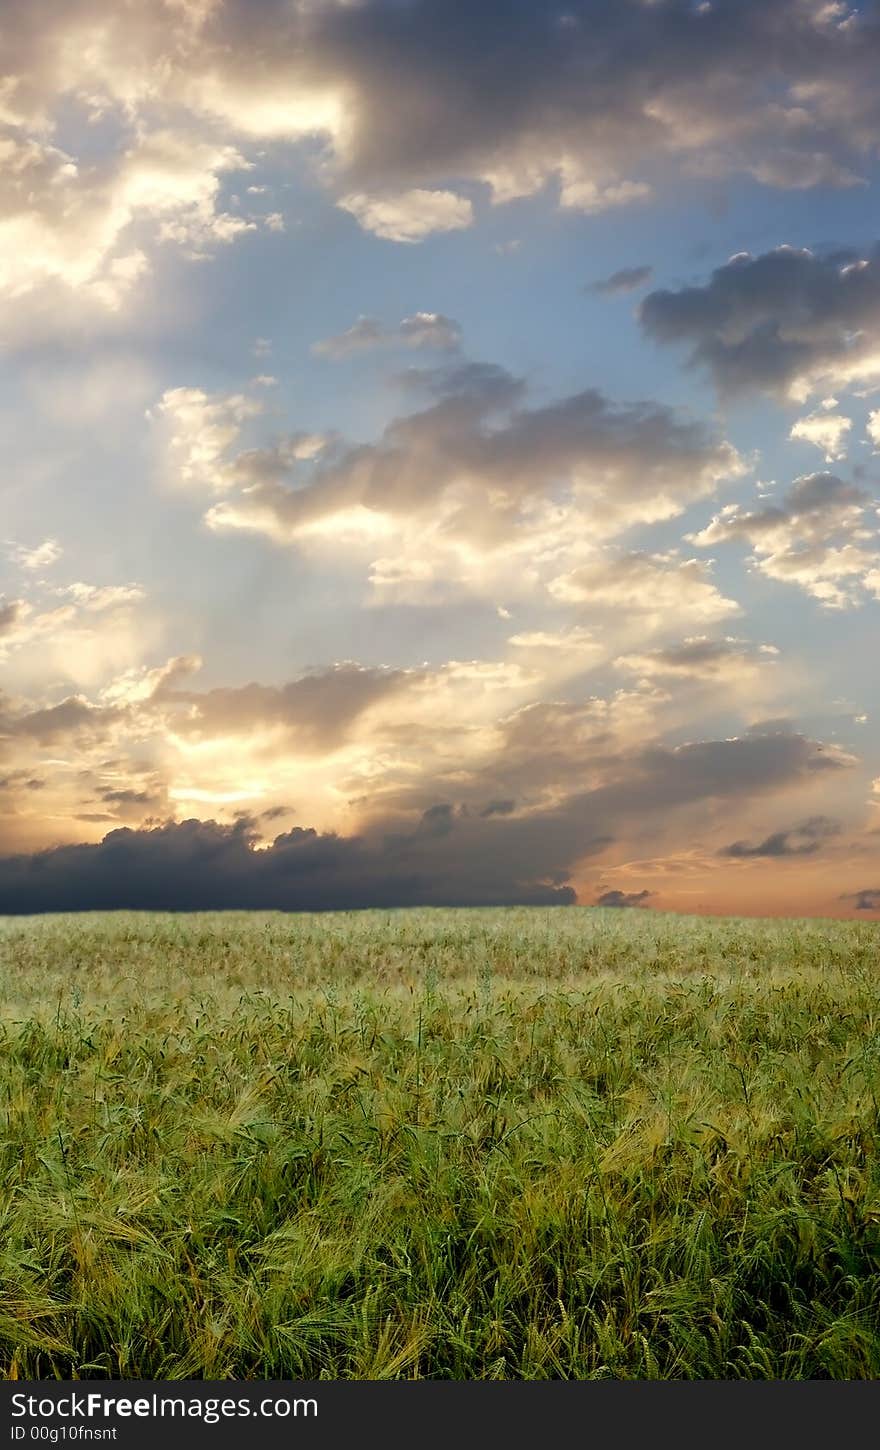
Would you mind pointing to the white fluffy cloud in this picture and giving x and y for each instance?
(657, 585)
(410, 216)
(36, 556)
(200, 430)
(826, 431)
(821, 537)
(81, 228)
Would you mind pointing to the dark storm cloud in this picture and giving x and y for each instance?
(200, 865)
(437, 820)
(785, 318)
(623, 898)
(628, 279)
(802, 840)
(449, 856)
(868, 899)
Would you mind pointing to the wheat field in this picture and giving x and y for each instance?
(510, 1144)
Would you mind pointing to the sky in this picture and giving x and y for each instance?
(441, 454)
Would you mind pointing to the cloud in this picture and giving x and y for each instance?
(68, 641)
(569, 650)
(874, 429)
(628, 279)
(660, 778)
(827, 431)
(651, 584)
(624, 898)
(133, 137)
(95, 598)
(578, 192)
(40, 556)
(365, 333)
(819, 538)
(411, 216)
(391, 107)
(369, 751)
(21, 778)
(786, 322)
(801, 840)
(25, 625)
(200, 428)
(599, 100)
(67, 229)
(868, 899)
(430, 329)
(421, 330)
(135, 686)
(12, 612)
(699, 658)
(445, 488)
(447, 855)
(333, 736)
(200, 865)
(317, 710)
(74, 718)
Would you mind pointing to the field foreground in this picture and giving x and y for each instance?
(466, 1144)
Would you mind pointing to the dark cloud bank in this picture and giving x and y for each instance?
(455, 855)
(205, 866)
